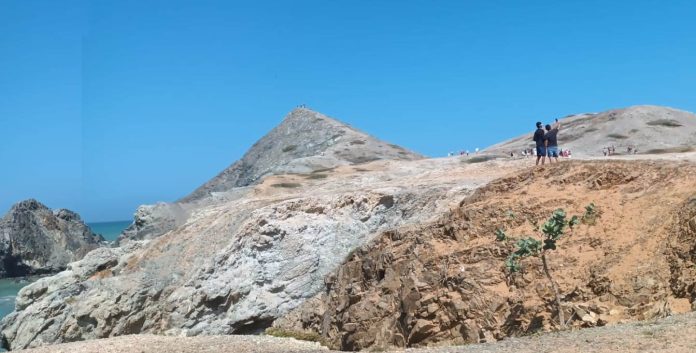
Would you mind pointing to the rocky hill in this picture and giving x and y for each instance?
(305, 141)
(399, 251)
(445, 282)
(37, 240)
(650, 129)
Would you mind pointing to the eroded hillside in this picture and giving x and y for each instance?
(445, 282)
(646, 129)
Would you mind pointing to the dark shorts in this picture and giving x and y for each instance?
(541, 151)
(552, 151)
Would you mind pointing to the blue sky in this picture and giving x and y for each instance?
(106, 105)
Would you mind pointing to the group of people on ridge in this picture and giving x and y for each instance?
(546, 142)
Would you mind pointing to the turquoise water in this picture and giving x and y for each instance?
(8, 290)
(109, 230)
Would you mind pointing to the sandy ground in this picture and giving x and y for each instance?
(674, 334)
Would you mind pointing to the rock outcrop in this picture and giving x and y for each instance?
(236, 259)
(304, 142)
(649, 129)
(37, 240)
(382, 253)
(445, 282)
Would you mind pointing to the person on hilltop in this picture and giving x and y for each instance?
(539, 140)
(551, 140)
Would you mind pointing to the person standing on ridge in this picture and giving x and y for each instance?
(551, 140)
(540, 148)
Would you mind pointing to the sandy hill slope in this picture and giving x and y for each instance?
(650, 129)
(445, 282)
(305, 141)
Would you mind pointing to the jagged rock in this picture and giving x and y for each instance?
(363, 246)
(445, 283)
(234, 260)
(37, 240)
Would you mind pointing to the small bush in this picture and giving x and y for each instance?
(592, 129)
(289, 148)
(324, 170)
(357, 142)
(665, 122)
(286, 185)
(298, 335)
(316, 176)
(681, 149)
(479, 159)
(591, 214)
(395, 146)
(363, 159)
(617, 136)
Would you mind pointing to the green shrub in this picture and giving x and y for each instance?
(289, 148)
(551, 232)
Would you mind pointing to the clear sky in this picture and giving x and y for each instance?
(106, 105)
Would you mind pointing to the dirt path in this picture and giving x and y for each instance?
(674, 334)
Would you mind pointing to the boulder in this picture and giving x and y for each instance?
(37, 240)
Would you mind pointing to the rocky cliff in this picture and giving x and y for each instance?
(305, 141)
(392, 252)
(445, 282)
(37, 240)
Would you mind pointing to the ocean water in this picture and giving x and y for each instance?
(109, 230)
(8, 291)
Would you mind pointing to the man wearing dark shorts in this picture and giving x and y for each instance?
(540, 148)
(551, 141)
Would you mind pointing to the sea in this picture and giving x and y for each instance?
(9, 287)
(109, 230)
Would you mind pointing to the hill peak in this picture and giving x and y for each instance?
(645, 128)
(304, 141)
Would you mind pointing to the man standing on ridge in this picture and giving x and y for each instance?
(551, 140)
(540, 147)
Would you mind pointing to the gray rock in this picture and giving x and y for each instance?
(305, 141)
(37, 240)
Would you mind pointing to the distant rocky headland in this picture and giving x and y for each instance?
(37, 240)
(324, 231)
